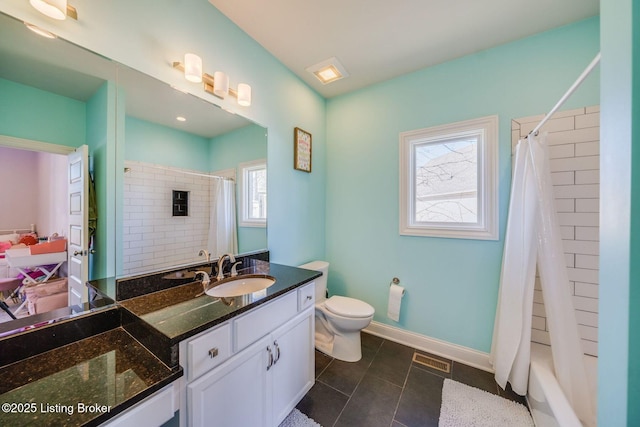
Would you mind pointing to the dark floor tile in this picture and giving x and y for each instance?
(343, 376)
(322, 361)
(433, 370)
(421, 399)
(474, 377)
(323, 404)
(392, 362)
(397, 424)
(508, 393)
(370, 342)
(372, 404)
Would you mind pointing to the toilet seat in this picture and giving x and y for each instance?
(349, 307)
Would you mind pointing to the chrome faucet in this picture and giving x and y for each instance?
(232, 259)
(206, 253)
(206, 280)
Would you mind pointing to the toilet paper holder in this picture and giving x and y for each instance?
(396, 281)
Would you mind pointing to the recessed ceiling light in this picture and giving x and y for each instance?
(181, 119)
(39, 31)
(328, 71)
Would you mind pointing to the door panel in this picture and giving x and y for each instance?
(78, 236)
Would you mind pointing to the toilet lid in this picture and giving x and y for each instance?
(348, 307)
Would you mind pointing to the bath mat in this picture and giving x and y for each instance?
(465, 406)
(298, 419)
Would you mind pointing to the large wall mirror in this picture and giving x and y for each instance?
(194, 179)
(145, 161)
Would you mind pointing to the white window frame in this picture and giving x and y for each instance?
(243, 181)
(487, 226)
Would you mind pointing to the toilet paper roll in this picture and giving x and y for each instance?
(396, 293)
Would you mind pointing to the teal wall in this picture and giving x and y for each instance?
(30, 113)
(154, 143)
(451, 284)
(100, 121)
(227, 151)
(619, 346)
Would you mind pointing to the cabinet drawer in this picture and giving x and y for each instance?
(154, 410)
(262, 320)
(208, 350)
(306, 296)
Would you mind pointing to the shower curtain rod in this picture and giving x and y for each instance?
(572, 89)
(186, 172)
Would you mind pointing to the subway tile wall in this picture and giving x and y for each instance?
(153, 239)
(574, 151)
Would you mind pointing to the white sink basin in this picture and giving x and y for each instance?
(241, 285)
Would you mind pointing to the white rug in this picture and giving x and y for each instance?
(465, 406)
(298, 419)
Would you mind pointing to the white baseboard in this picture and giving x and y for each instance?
(458, 353)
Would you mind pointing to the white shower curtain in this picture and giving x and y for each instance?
(533, 233)
(223, 237)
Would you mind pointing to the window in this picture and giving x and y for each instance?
(253, 193)
(448, 180)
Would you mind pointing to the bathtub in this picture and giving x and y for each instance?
(549, 406)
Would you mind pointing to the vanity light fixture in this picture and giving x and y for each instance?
(39, 31)
(56, 9)
(217, 85)
(192, 67)
(181, 119)
(328, 70)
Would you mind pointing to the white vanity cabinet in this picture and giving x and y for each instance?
(270, 369)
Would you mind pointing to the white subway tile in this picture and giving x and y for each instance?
(537, 296)
(587, 318)
(570, 260)
(588, 332)
(567, 113)
(587, 205)
(588, 177)
(588, 148)
(565, 205)
(590, 347)
(591, 262)
(588, 234)
(592, 109)
(572, 136)
(579, 219)
(590, 290)
(588, 120)
(562, 151)
(578, 191)
(541, 337)
(583, 275)
(585, 247)
(585, 304)
(538, 310)
(567, 232)
(539, 323)
(563, 178)
(575, 163)
(531, 119)
(553, 125)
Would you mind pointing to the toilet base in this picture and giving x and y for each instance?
(346, 347)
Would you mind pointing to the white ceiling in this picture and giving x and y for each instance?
(380, 39)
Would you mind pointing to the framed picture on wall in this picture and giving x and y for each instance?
(301, 150)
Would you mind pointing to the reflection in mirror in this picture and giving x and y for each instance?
(194, 178)
(54, 98)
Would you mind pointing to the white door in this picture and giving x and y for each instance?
(78, 236)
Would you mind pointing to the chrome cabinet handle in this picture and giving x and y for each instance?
(309, 297)
(275, 343)
(213, 352)
(270, 358)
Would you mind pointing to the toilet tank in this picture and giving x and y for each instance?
(321, 282)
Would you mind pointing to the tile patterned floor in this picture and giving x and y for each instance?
(385, 388)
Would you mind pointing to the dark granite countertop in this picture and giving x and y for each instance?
(110, 371)
(178, 313)
(115, 358)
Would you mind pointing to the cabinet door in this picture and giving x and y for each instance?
(293, 372)
(236, 393)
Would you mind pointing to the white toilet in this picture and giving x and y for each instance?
(339, 320)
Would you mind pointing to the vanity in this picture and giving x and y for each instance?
(237, 361)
